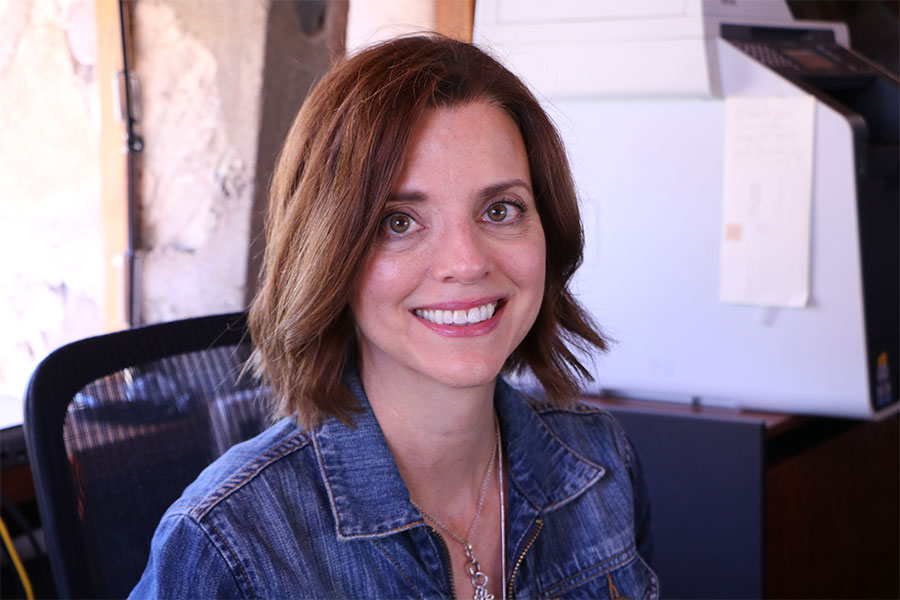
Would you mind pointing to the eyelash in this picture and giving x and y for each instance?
(386, 227)
(386, 224)
(518, 204)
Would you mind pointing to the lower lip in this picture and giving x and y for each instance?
(473, 330)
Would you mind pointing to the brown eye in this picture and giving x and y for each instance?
(399, 223)
(497, 212)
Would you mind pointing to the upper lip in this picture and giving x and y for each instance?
(461, 304)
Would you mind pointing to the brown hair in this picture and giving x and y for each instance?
(336, 170)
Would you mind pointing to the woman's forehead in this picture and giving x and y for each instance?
(472, 143)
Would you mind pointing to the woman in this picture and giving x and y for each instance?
(423, 226)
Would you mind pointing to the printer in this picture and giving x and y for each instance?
(643, 94)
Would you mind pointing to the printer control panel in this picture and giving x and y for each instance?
(797, 52)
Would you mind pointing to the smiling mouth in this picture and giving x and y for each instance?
(459, 318)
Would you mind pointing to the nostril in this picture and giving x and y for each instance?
(459, 254)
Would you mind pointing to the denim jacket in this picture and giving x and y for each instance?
(324, 513)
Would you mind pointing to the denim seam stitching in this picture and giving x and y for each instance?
(602, 470)
(654, 578)
(604, 415)
(578, 492)
(381, 534)
(629, 451)
(242, 477)
(543, 408)
(234, 556)
(336, 512)
(523, 492)
(320, 459)
(607, 565)
(397, 565)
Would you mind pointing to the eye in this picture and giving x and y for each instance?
(497, 212)
(503, 212)
(397, 224)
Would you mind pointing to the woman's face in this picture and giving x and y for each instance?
(456, 277)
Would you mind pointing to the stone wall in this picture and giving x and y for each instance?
(50, 228)
(220, 83)
(213, 77)
(199, 64)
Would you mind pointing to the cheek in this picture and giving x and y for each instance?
(380, 281)
(529, 266)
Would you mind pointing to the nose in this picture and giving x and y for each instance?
(460, 254)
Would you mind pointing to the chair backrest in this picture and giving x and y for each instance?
(118, 425)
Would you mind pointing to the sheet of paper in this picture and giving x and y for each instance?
(767, 200)
(10, 412)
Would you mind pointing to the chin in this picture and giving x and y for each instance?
(468, 375)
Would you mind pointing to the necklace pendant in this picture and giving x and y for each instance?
(479, 581)
(481, 593)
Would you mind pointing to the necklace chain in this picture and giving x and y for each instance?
(479, 579)
(502, 482)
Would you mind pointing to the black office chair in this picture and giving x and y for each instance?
(116, 427)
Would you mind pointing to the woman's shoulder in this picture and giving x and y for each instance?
(577, 409)
(205, 539)
(260, 457)
(588, 429)
(575, 413)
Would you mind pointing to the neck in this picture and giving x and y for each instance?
(441, 437)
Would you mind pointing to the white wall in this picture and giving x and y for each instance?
(369, 21)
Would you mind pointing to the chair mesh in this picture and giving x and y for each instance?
(146, 432)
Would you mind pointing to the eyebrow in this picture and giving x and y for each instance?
(491, 190)
(502, 186)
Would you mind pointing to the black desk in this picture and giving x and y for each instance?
(759, 505)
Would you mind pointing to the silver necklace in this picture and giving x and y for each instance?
(479, 579)
(501, 481)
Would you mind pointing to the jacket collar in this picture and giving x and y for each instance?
(370, 499)
(546, 470)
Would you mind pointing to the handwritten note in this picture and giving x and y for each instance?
(766, 201)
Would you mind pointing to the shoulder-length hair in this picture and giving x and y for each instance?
(339, 164)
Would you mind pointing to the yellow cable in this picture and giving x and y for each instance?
(7, 541)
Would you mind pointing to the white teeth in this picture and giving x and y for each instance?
(474, 315)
